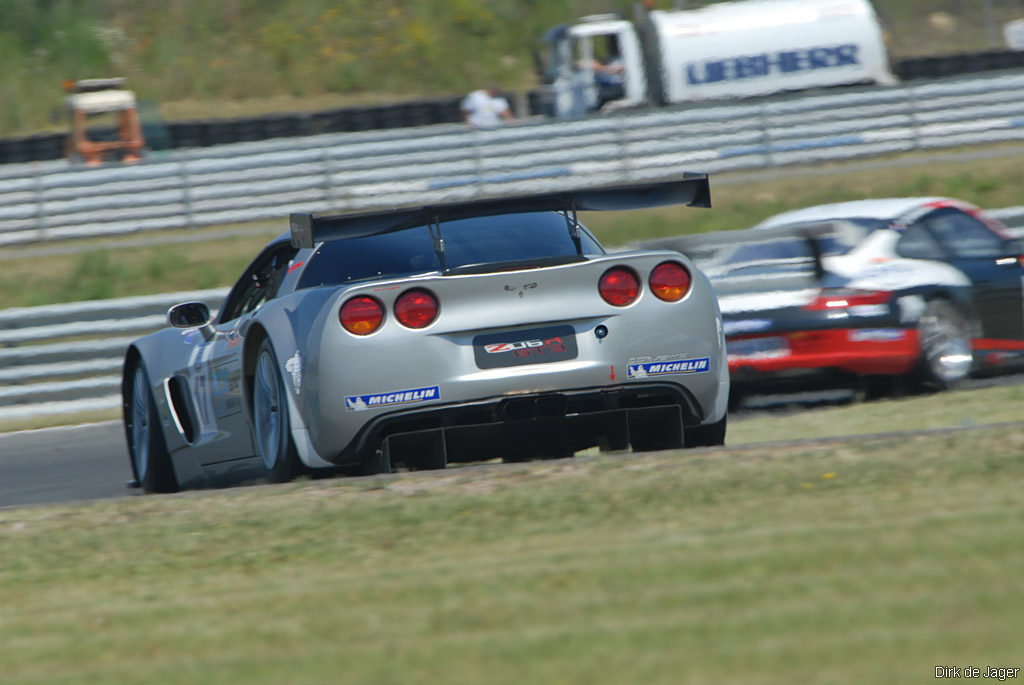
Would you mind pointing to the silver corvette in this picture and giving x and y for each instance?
(418, 337)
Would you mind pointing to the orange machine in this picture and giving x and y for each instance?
(91, 97)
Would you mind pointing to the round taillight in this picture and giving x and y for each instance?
(361, 315)
(670, 281)
(619, 286)
(416, 308)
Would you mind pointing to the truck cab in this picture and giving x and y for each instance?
(727, 50)
(575, 58)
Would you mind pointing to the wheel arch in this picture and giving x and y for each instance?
(297, 408)
(253, 339)
(960, 298)
(162, 465)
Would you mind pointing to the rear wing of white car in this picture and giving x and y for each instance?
(724, 251)
(691, 189)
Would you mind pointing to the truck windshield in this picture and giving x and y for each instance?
(509, 238)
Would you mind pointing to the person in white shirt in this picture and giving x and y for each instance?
(485, 108)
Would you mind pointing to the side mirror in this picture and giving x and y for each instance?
(1013, 248)
(192, 315)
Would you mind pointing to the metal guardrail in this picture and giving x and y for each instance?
(66, 358)
(246, 182)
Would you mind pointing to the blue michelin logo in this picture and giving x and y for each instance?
(649, 369)
(390, 399)
(783, 62)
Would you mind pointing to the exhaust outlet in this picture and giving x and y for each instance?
(526, 408)
(518, 409)
(552, 405)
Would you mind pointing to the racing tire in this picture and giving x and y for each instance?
(147, 451)
(711, 435)
(270, 420)
(736, 399)
(946, 350)
(880, 387)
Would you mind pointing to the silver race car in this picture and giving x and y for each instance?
(417, 337)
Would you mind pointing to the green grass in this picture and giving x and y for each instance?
(171, 261)
(959, 408)
(197, 59)
(870, 562)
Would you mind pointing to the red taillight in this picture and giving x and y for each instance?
(670, 281)
(619, 286)
(841, 298)
(416, 309)
(361, 315)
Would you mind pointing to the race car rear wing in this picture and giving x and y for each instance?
(819, 239)
(691, 189)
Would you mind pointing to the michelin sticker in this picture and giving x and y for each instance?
(877, 335)
(390, 399)
(650, 369)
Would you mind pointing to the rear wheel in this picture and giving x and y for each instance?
(712, 435)
(271, 424)
(150, 461)
(946, 350)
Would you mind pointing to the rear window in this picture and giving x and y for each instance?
(480, 240)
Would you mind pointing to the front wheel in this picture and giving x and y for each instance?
(150, 460)
(271, 424)
(946, 350)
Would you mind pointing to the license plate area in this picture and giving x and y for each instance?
(530, 346)
(757, 348)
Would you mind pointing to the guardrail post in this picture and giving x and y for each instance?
(37, 188)
(186, 192)
(766, 138)
(325, 161)
(478, 162)
(620, 139)
(915, 121)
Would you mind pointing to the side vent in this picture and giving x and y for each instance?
(181, 408)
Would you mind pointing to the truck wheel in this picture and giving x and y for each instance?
(946, 351)
(150, 461)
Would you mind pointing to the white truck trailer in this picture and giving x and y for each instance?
(746, 48)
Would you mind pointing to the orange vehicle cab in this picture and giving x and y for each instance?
(91, 98)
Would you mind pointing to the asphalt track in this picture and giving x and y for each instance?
(90, 462)
(63, 465)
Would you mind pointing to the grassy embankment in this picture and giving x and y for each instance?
(864, 562)
(201, 60)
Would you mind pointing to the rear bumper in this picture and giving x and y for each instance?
(641, 416)
(856, 351)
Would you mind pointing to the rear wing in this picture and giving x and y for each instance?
(692, 190)
(713, 249)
